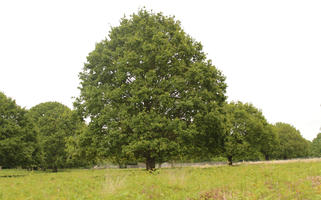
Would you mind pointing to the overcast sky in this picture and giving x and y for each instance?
(270, 51)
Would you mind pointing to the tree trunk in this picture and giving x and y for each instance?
(122, 165)
(230, 161)
(267, 157)
(150, 164)
(55, 169)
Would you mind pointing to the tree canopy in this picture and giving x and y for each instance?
(249, 135)
(292, 144)
(316, 146)
(18, 136)
(56, 125)
(146, 87)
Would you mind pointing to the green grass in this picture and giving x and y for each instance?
(301, 180)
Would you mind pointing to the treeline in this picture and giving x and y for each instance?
(51, 136)
(149, 95)
(43, 137)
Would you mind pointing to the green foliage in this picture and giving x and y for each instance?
(57, 126)
(316, 146)
(249, 136)
(18, 136)
(147, 90)
(292, 144)
(80, 147)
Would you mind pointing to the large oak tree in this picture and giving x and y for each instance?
(147, 87)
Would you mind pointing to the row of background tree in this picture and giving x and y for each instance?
(150, 95)
(51, 136)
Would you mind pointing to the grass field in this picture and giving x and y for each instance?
(300, 180)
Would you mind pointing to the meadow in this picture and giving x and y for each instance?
(298, 180)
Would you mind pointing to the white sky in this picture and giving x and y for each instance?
(270, 51)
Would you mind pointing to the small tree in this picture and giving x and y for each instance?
(147, 87)
(248, 133)
(292, 144)
(56, 124)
